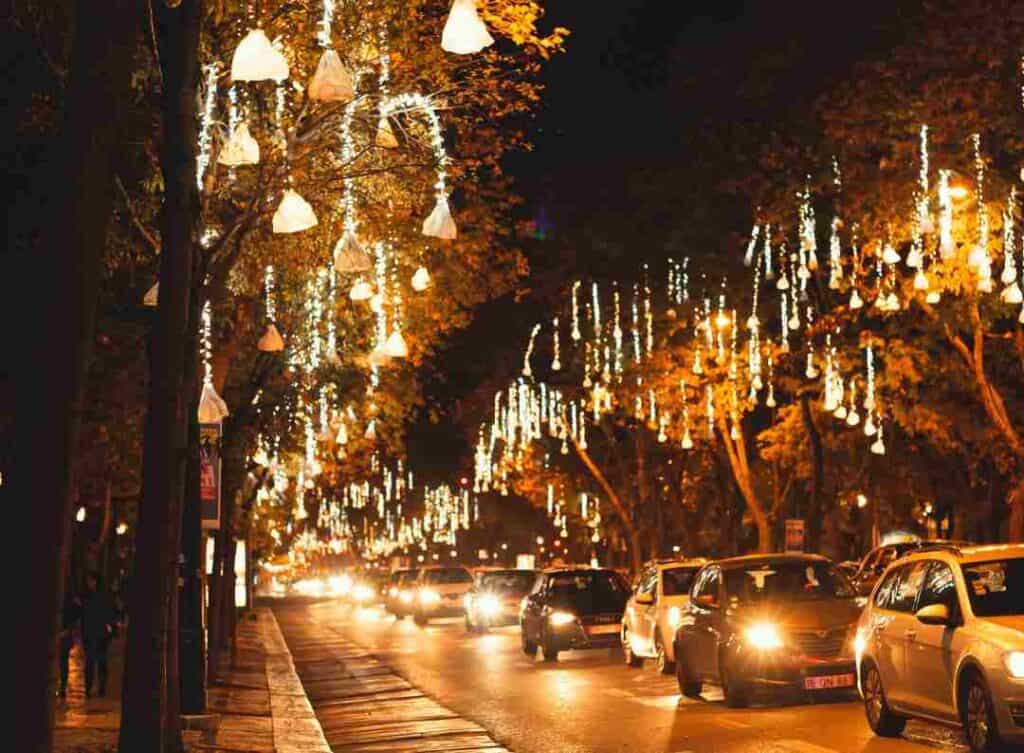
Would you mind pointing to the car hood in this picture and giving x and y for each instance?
(817, 614)
(1005, 632)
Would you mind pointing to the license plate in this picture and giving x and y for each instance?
(602, 629)
(826, 682)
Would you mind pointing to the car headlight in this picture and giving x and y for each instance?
(488, 605)
(860, 642)
(362, 593)
(429, 596)
(1015, 663)
(675, 615)
(763, 636)
(558, 619)
(405, 597)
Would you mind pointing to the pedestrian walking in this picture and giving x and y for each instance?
(70, 614)
(98, 619)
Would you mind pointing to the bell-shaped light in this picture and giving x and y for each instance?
(385, 137)
(464, 31)
(782, 283)
(212, 408)
(770, 401)
(934, 296)
(889, 254)
(687, 443)
(985, 284)
(439, 224)
(420, 279)
(342, 436)
(892, 302)
(331, 82)
(852, 417)
(840, 412)
(371, 431)
(349, 255)
(361, 291)
(978, 256)
(256, 59)
(878, 446)
(856, 302)
(920, 280)
(1009, 274)
(379, 356)
(395, 345)
(293, 214)
(947, 249)
(152, 296)
(377, 303)
(1012, 294)
(271, 340)
(914, 258)
(240, 148)
(869, 426)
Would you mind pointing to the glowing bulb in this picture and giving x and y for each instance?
(421, 279)
(395, 345)
(256, 59)
(856, 301)
(1012, 294)
(80, 515)
(293, 214)
(464, 32)
(889, 255)
(920, 281)
(361, 291)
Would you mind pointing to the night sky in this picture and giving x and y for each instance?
(622, 171)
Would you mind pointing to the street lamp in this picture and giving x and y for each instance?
(80, 515)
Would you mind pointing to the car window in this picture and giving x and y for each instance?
(911, 579)
(588, 590)
(939, 587)
(707, 585)
(789, 580)
(448, 576)
(883, 596)
(648, 582)
(677, 580)
(995, 589)
(508, 581)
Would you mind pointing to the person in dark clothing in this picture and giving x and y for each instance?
(98, 619)
(70, 614)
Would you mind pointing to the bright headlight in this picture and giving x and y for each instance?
(489, 605)
(561, 618)
(362, 593)
(674, 616)
(405, 596)
(763, 636)
(1015, 663)
(429, 596)
(860, 642)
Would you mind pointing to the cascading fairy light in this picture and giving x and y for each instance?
(527, 370)
(635, 328)
(946, 246)
(687, 441)
(648, 316)
(556, 361)
(1011, 293)
(748, 257)
(617, 330)
(923, 209)
(770, 398)
(576, 334)
(769, 273)
(835, 249)
(710, 403)
(332, 335)
(596, 311)
(979, 256)
(206, 124)
(326, 19)
(808, 241)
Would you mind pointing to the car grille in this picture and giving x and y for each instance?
(821, 644)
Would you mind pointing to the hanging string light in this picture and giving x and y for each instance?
(206, 124)
(748, 257)
(271, 340)
(556, 362)
(979, 257)
(1012, 292)
(212, 409)
(527, 370)
(331, 82)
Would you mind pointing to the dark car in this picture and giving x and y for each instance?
(764, 622)
(879, 558)
(573, 608)
(398, 595)
(495, 598)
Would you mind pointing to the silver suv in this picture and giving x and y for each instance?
(942, 638)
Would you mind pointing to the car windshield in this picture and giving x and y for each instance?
(508, 581)
(589, 592)
(677, 580)
(792, 580)
(996, 589)
(449, 575)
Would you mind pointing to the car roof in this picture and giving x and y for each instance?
(969, 554)
(576, 569)
(434, 568)
(669, 564)
(753, 559)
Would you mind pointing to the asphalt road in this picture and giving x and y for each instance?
(590, 701)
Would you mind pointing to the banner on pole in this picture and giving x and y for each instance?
(209, 475)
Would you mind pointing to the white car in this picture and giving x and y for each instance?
(654, 610)
(439, 592)
(942, 638)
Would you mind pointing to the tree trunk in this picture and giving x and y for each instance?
(145, 725)
(58, 343)
(192, 648)
(736, 451)
(813, 513)
(1016, 504)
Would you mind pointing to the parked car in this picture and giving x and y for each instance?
(878, 559)
(400, 592)
(439, 592)
(767, 622)
(942, 638)
(573, 608)
(495, 598)
(654, 610)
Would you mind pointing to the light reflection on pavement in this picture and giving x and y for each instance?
(590, 701)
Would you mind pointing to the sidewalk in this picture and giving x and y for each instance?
(262, 706)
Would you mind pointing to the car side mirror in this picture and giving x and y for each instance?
(934, 614)
(644, 598)
(706, 601)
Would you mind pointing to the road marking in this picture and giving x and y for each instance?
(731, 723)
(802, 746)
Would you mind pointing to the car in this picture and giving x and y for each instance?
(368, 588)
(654, 610)
(572, 608)
(942, 638)
(399, 593)
(768, 622)
(439, 592)
(879, 558)
(495, 597)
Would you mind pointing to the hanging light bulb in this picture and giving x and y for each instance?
(293, 214)
(878, 446)
(464, 32)
(271, 340)
(342, 436)
(152, 296)
(914, 258)
(80, 515)
(395, 345)
(1012, 294)
(840, 412)
(331, 82)
(856, 301)
(361, 291)
(869, 426)
(889, 254)
(385, 137)
(934, 296)
(377, 303)
(240, 149)
(920, 280)
(256, 59)
(687, 443)
(212, 408)
(439, 223)
(420, 279)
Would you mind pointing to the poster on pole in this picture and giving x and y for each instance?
(794, 535)
(209, 475)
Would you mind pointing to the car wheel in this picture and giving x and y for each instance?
(736, 692)
(664, 664)
(881, 719)
(632, 660)
(689, 686)
(548, 650)
(529, 647)
(977, 715)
